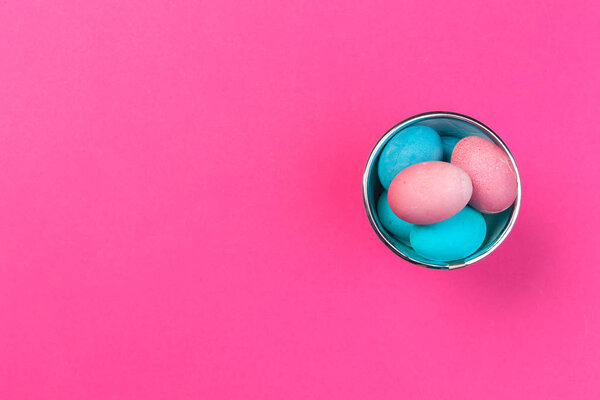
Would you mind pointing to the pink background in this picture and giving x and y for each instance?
(181, 212)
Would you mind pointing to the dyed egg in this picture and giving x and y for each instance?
(410, 146)
(448, 143)
(391, 222)
(453, 239)
(429, 192)
(494, 179)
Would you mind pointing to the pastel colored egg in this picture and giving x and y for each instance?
(410, 146)
(453, 239)
(391, 222)
(494, 179)
(429, 192)
(448, 143)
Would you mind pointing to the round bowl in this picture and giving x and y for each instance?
(446, 124)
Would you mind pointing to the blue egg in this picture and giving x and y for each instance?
(410, 146)
(448, 143)
(452, 239)
(394, 225)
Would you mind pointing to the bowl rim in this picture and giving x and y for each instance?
(410, 121)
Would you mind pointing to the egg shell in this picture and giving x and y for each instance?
(494, 179)
(448, 143)
(410, 146)
(453, 239)
(429, 192)
(390, 221)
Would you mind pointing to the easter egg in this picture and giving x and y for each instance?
(429, 192)
(448, 143)
(391, 222)
(410, 146)
(452, 239)
(494, 179)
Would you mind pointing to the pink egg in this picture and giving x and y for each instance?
(494, 179)
(429, 192)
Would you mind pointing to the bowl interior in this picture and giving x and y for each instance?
(446, 124)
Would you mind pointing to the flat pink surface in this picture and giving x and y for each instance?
(181, 212)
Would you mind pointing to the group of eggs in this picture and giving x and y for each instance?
(436, 189)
